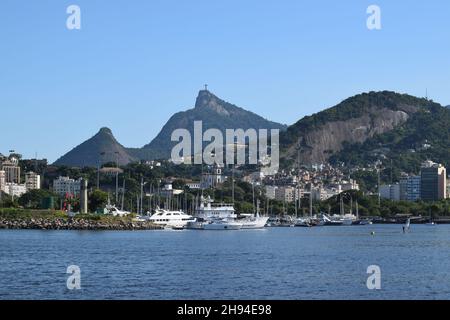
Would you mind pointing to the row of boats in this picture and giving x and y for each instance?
(211, 216)
(221, 216)
(208, 216)
(316, 221)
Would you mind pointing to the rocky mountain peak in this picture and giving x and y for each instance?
(105, 130)
(207, 100)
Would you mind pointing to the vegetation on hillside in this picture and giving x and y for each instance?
(426, 135)
(353, 107)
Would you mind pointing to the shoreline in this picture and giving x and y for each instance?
(73, 224)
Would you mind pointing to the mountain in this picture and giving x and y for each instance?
(214, 113)
(358, 131)
(425, 135)
(89, 153)
(316, 138)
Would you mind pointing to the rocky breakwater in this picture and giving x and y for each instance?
(73, 224)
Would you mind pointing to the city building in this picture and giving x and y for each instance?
(322, 193)
(65, 185)
(270, 192)
(390, 192)
(349, 185)
(433, 184)
(168, 190)
(2, 180)
(32, 181)
(213, 178)
(12, 170)
(410, 188)
(15, 190)
(287, 193)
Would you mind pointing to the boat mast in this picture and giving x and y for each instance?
(357, 210)
(295, 202)
(257, 208)
(123, 193)
(351, 205)
(232, 184)
(253, 195)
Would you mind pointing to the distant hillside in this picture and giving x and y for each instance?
(89, 153)
(358, 131)
(426, 135)
(314, 139)
(214, 113)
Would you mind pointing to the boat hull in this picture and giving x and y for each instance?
(224, 226)
(256, 223)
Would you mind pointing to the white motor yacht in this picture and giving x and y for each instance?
(208, 212)
(251, 221)
(222, 224)
(176, 219)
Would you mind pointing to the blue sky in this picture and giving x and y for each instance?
(135, 63)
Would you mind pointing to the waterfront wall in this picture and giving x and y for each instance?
(72, 224)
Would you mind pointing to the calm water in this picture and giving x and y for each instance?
(277, 263)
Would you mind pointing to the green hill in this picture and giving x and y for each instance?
(425, 135)
(317, 138)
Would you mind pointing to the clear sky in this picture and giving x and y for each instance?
(135, 63)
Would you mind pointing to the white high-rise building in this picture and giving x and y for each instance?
(2, 180)
(32, 181)
(65, 185)
(12, 170)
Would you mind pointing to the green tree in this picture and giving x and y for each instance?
(97, 199)
(33, 198)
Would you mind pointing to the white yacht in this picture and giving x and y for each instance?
(251, 221)
(171, 219)
(209, 212)
(348, 219)
(112, 210)
(222, 224)
(303, 222)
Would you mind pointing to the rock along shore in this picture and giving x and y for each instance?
(73, 224)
